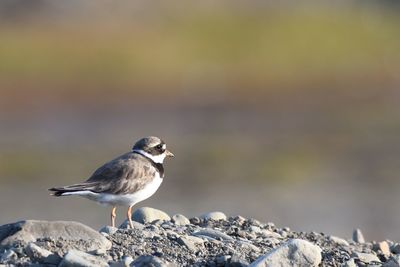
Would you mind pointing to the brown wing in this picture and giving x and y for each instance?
(123, 175)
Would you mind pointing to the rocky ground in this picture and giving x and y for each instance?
(209, 240)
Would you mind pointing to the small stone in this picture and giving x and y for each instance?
(384, 248)
(254, 222)
(180, 219)
(146, 260)
(239, 219)
(270, 225)
(366, 257)
(108, 230)
(296, 252)
(125, 262)
(41, 255)
(99, 252)
(393, 261)
(214, 215)
(195, 220)
(136, 225)
(149, 215)
(268, 234)
(222, 259)
(8, 255)
(395, 248)
(339, 241)
(255, 229)
(249, 246)
(212, 233)
(77, 258)
(358, 237)
(190, 242)
(237, 260)
(349, 263)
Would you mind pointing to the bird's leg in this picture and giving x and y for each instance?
(113, 215)
(129, 215)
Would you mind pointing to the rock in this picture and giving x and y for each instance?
(383, 247)
(391, 263)
(73, 234)
(349, 263)
(222, 260)
(136, 225)
(108, 230)
(358, 236)
(149, 261)
(214, 215)
(75, 258)
(190, 242)
(179, 219)
(296, 252)
(195, 220)
(125, 262)
(41, 255)
(8, 255)
(149, 215)
(268, 233)
(214, 234)
(255, 229)
(366, 257)
(339, 241)
(237, 260)
(395, 248)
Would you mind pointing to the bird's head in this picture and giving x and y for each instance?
(153, 148)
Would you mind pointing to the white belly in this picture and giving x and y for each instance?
(122, 200)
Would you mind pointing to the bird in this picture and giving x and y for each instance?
(125, 180)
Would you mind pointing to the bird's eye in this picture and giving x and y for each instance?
(159, 146)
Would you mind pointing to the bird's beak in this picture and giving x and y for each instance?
(169, 154)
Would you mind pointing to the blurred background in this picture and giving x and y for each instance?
(283, 112)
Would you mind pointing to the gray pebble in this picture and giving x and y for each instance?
(215, 234)
(214, 215)
(338, 240)
(108, 230)
(179, 219)
(366, 257)
(149, 215)
(358, 237)
(41, 255)
(222, 259)
(395, 248)
(146, 261)
(77, 258)
(8, 255)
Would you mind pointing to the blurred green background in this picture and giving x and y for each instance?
(283, 112)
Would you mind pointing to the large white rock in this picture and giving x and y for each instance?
(296, 252)
(73, 234)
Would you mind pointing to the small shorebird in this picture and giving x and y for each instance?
(125, 180)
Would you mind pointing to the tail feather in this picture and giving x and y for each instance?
(59, 191)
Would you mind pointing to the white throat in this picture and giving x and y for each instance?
(157, 159)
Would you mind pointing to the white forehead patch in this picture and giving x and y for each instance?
(164, 146)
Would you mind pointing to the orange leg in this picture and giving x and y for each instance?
(129, 216)
(113, 215)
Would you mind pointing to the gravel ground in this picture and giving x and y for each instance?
(208, 240)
